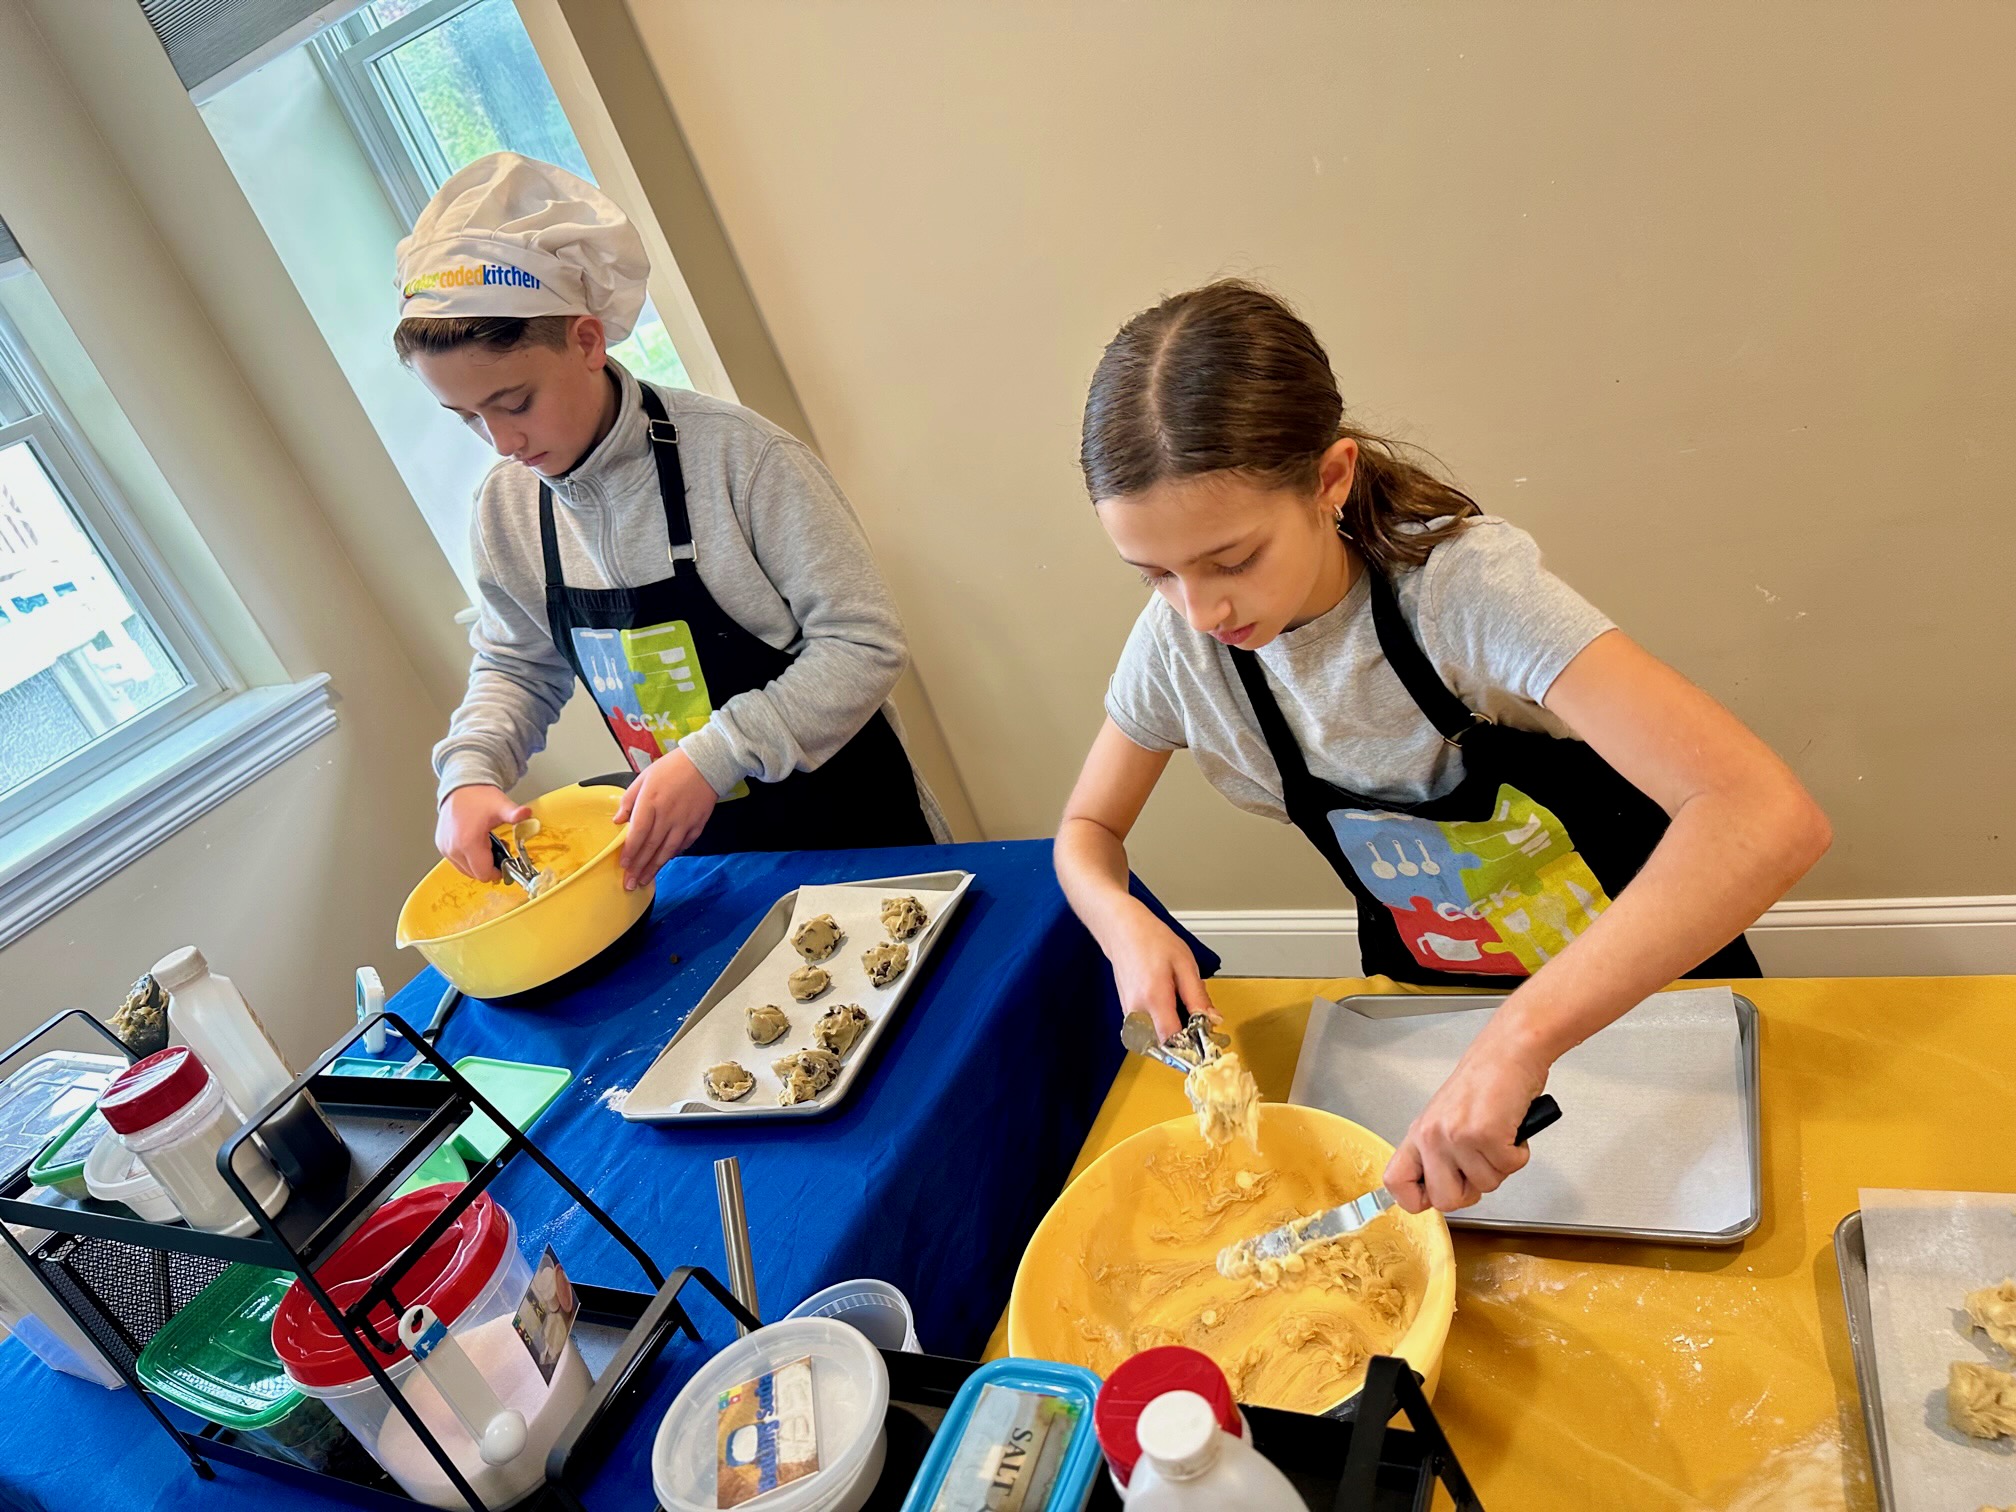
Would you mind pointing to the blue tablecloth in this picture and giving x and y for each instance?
(932, 1175)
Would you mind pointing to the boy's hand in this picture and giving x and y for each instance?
(1154, 971)
(1460, 1147)
(666, 808)
(462, 829)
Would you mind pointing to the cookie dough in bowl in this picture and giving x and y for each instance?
(1126, 1259)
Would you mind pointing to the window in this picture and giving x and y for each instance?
(121, 718)
(429, 86)
(92, 659)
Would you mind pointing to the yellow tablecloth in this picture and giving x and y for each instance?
(1640, 1378)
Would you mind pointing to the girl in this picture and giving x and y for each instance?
(691, 563)
(1346, 644)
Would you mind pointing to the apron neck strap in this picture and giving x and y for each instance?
(1282, 745)
(664, 439)
(1452, 718)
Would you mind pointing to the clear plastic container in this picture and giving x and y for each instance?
(38, 1320)
(878, 1309)
(171, 1113)
(114, 1173)
(850, 1386)
(999, 1406)
(473, 1277)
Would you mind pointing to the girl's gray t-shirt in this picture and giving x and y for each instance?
(1496, 624)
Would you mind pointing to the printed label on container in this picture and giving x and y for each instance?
(545, 1317)
(1008, 1456)
(768, 1436)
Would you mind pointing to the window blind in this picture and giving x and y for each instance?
(9, 248)
(212, 42)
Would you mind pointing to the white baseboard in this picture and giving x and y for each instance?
(1854, 937)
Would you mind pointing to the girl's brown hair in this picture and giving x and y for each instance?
(435, 334)
(1227, 378)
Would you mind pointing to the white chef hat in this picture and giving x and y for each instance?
(509, 235)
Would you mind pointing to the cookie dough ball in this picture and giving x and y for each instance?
(805, 1075)
(807, 982)
(728, 1082)
(1981, 1400)
(903, 917)
(768, 1024)
(885, 963)
(1992, 1309)
(816, 939)
(840, 1027)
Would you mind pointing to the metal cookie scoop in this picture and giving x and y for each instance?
(1185, 1050)
(513, 865)
(1291, 1238)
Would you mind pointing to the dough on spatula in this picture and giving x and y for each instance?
(728, 1082)
(768, 1024)
(805, 1074)
(818, 938)
(1981, 1400)
(839, 1027)
(885, 963)
(1992, 1309)
(903, 917)
(807, 982)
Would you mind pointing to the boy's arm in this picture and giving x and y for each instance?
(518, 682)
(812, 549)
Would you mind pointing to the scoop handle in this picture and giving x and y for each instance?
(1543, 1112)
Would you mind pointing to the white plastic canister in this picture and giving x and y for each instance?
(171, 1113)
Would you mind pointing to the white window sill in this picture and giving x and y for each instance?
(64, 852)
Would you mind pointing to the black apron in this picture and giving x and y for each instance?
(660, 658)
(1494, 878)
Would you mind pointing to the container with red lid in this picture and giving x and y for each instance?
(472, 1278)
(1142, 1378)
(171, 1113)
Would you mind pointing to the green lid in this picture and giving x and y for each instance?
(521, 1092)
(63, 1162)
(215, 1357)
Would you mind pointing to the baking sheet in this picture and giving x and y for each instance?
(1852, 1259)
(716, 1030)
(1659, 1134)
(1925, 1252)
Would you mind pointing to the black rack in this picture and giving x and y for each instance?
(121, 1278)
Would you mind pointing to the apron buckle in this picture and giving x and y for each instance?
(662, 432)
(1476, 719)
(685, 553)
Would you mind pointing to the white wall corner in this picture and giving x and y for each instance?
(1804, 938)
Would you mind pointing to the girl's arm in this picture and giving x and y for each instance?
(1152, 967)
(1743, 831)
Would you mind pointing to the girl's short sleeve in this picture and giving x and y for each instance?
(1141, 696)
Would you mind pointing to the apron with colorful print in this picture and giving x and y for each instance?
(1494, 878)
(660, 658)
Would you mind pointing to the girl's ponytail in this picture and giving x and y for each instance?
(1227, 378)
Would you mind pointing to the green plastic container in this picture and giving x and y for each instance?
(61, 1166)
(215, 1358)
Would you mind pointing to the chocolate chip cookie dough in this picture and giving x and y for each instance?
(840, 1027)
(728, 1082)
(768, 1024)
(903, 917)
(818, 938)
(885, 963)
(807, 982)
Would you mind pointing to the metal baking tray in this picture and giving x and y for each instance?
(1853, 1260)
(1744, 1088)
(669, 1090)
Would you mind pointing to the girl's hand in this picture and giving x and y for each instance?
(666, 808)
(1460, 1147)
(1154, 971)
(462, 827)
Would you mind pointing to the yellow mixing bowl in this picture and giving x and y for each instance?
(1115, 1221)
(571, 921)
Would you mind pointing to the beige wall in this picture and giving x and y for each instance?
(294, 882)
(1715, 299)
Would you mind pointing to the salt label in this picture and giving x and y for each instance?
(1008, 1456)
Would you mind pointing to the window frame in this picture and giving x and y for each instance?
(114, 531)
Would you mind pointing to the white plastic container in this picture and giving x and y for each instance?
(850, 1387)
(171, 1113)
(114, 1173)
(1189, 1464)
(472, 1278)
(38, 1320)
(213, 1017)
(878, 1309)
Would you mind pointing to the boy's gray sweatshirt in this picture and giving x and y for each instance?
(778, 547)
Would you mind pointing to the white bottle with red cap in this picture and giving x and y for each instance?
(1177, 1442)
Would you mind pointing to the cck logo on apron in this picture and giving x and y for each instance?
(1502, 895)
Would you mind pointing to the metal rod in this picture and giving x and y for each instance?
(735, 1235)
